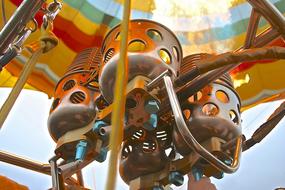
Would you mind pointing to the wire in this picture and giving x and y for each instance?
(3, 11)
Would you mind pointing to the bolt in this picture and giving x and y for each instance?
(176, 178)
(151, 124)
(151, 106)
(81, 149)
(197, 173)
(98, 129)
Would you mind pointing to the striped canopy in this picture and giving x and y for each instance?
(214, 26)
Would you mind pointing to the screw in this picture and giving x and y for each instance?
(81, 149)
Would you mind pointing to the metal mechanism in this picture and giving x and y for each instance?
(182, 115)
(18, 21)
(16, 31)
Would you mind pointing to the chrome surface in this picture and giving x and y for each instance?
(146, 61)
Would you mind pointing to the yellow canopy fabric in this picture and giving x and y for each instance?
(201, 26)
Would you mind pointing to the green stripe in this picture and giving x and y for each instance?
(226, 32)
(213, 34)
(92, 13)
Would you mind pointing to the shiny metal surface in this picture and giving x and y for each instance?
(141, 157)
(75, 94)
(212, 112)
(271, 13)
(146, 60)
(24, 13)
(189, 138)
(24, 163)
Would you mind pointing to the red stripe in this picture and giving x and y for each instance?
(65, 30)
(73, 37)
(247, 65)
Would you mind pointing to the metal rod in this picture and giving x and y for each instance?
(8, 56)
(24, 13)
(30, 165)
(57, 181)
(201, 81)
(252, 29)
(271, 14)
(24, 163)
(155, 81)
(71, 168)
(189, 138)
(266, 37)
(80, 178)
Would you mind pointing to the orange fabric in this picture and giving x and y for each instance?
(8, 184)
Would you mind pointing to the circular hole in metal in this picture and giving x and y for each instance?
(154, 35)
(136, 46)
(138, 134)
(187, 113)
(118, 36)
(131, 103)
(55, 103)
(162, 135)
(175, 52)
(68, 85)
(195, 97)
(77, 97)
(165, 56)
(102, 131)
(234, 117)
(210, 109)
(127, 150)
(222, 96)
(109, 54)
(148, 146)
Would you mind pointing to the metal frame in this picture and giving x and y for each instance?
(190, 139)
(24, 13)
(60, 173)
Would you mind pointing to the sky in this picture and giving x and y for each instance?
(25, 133)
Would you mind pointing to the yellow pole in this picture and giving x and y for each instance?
(118, 111)
(46, 43)
(7, 106)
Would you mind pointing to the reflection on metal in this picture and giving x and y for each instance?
(25, 163)
(18, 21)
(174, 106)
(191, 141)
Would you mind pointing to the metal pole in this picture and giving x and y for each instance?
(270, 13)
(24, 13)
(24, 163)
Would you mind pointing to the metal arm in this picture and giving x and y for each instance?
(190, 139)
(18, 21)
